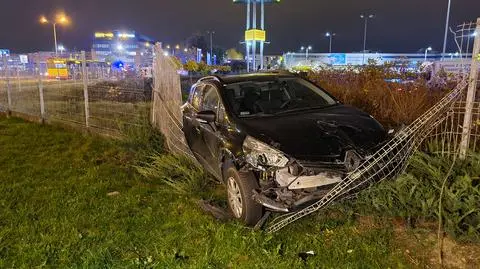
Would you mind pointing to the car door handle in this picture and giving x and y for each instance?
(197, 130)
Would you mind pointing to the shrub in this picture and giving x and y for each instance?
(393, 104)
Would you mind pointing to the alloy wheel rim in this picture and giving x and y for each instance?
(235, 197)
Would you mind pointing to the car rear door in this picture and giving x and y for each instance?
(191, 126)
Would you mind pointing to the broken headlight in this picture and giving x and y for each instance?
(260, 154)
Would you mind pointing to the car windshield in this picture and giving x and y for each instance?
(282, 95)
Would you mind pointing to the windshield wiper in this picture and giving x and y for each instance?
(305, 109)
(262, 114)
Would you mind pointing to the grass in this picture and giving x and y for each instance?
(72, 200)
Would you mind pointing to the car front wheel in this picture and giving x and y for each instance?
(240, 186)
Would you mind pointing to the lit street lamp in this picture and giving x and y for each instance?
(330, 35)
(59, 19)
(365, 17)
(306, 51)
(426, 52)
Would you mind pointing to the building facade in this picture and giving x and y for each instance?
(124, 48)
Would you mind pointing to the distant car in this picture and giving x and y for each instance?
(276, 140)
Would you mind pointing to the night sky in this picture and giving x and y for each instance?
(399, 26)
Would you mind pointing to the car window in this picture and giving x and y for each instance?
(251, 98)
(210, 99)
(196, 96)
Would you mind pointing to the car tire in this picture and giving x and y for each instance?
(240, 186)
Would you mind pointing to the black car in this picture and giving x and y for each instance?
(276, 140)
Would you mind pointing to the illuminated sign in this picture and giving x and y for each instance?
(255, 34)
(125, 35)
(4, 52)
(24, 59)
(103, 35)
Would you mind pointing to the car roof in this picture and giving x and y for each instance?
(264, 76)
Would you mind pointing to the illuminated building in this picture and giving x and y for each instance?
(255, 36)
(127, 47)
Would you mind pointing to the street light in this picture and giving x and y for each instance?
(330, 35)
(59, 19)
(426, 52)
(177, 47)
(306, 51)
(365, 17)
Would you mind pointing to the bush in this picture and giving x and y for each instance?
(393, 104)
(416, 194)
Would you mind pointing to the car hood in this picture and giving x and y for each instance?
(318, 134)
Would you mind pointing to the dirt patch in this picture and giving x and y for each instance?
(418, 243)
(421, 248)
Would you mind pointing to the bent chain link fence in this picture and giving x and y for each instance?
(93, 97)
(167, 102)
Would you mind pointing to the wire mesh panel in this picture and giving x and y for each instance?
(167, 101)
(3, 90)
(64, 101)
(114, 106)
(24, 94)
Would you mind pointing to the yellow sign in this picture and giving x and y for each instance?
(255, 34)
(103, 35)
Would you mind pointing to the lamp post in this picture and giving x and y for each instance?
(330, 35)
(426, 52)
(59, 19)
(306, 51)
(446, 29)
(365, 17)
(211, 33)
(177, 47)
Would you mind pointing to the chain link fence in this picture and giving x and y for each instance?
(79, 93)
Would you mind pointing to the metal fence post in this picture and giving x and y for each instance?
(472, 88)
(40, 90)
(85, 88)
(7, 80)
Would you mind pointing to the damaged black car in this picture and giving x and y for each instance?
(277, 141)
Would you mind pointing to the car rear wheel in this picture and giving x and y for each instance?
(240, 186)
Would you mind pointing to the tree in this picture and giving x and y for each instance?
(233, 54)
(199, 41)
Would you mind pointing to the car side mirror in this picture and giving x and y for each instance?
(206, 116)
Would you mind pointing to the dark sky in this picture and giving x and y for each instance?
(399, 26)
